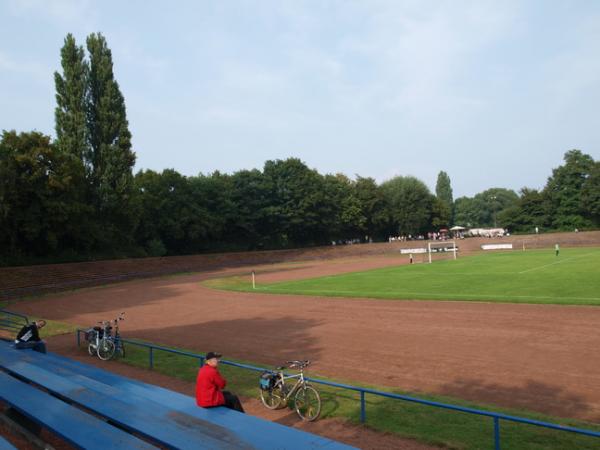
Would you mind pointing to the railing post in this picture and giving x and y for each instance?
(496, 433)
(151, 358)
(78, 342)
(201, 361)
(363, 412)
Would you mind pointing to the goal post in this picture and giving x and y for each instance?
(441, 248)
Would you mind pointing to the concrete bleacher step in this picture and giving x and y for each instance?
(75, 426)
(168, 417)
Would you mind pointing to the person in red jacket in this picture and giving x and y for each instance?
(210, 384)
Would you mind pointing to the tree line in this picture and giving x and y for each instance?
(569, 201)
(76, 197)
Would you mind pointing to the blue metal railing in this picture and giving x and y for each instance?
(14, 314)
(12, 322)
(363, 391)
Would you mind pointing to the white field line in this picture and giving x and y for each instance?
(557, 262)
(458, 296)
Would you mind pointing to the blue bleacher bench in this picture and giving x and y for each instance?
(73, 425)
(168, 418)
(5, 445)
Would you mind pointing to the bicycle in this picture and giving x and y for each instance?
(275, 393)
(101, 341)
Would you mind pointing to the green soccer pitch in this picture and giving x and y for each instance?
(536, 276)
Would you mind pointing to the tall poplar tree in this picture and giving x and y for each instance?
(110, 153)
(443, 189)
(443, 192)
(71, 92)
(72, 143)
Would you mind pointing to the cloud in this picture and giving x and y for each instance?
(347, 85)
(39, 72)
(61, 11)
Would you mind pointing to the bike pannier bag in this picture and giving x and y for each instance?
(267, 381)
(90, 335)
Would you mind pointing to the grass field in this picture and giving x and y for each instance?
(537, 276)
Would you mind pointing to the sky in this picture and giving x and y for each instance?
(494, 93)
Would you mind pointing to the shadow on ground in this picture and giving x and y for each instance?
(534, 396)
(277, 340)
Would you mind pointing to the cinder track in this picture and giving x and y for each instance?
(537, 357)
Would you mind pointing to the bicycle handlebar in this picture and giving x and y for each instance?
(298, 364)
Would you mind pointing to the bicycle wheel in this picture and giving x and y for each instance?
(272, 398)
(308, 403)
(92, 349)
(106, 349)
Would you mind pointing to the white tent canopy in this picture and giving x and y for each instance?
(457, 228)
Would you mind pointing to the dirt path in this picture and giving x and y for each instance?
(537, 357)
(337, 429)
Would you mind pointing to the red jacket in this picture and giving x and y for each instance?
(209, 384)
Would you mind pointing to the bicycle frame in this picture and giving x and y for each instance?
(301, 381)
(104, 331)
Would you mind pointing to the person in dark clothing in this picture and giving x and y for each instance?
(29, 337)
(210, 384)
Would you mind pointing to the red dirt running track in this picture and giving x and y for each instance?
(538, 357)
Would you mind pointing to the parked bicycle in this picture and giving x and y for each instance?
(101, 341)
(275, 393)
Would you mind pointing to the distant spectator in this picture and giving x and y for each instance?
(29, 337)
(210, 384)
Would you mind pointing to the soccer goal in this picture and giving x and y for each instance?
(441, 250)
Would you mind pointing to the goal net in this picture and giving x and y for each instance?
(441, 250)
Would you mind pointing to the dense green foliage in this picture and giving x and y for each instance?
(484, 208)
(570, 200)
(39, 202)
(409, 206)
(536, 276)
(77, 198)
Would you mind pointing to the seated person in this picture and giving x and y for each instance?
(29, 337)
(210, 385)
